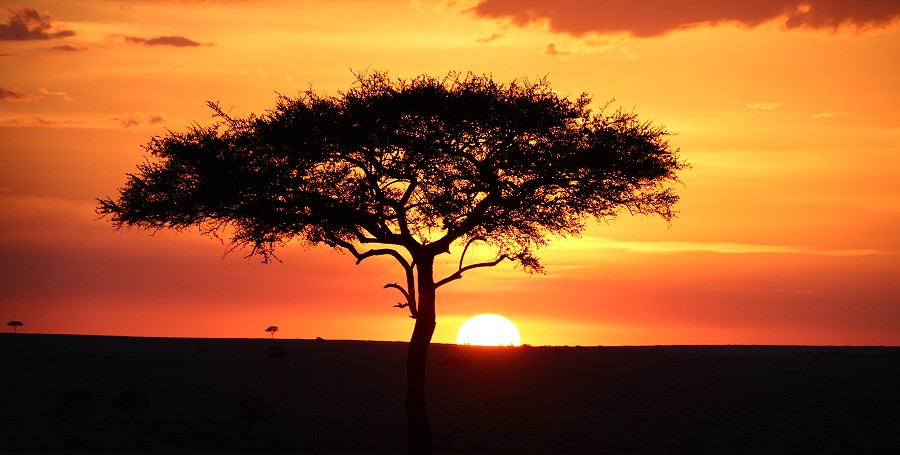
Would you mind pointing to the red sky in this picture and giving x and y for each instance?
(787, 110)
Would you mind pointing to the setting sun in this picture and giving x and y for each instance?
(489, 330)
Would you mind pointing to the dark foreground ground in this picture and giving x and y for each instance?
(140, 395)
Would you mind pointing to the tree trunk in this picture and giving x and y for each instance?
(419, 431)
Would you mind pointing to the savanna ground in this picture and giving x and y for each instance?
(142, 395)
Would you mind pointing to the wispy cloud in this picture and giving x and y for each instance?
(69, 48)
(494, 36)
(172, 41)
(15, 96)
(24, 24)
(649, 18)
(65, 96)
(766, 106)
(710, 247)
(828, 114)
(41, 121)
(140, 119)
(552, 50)
(614, 45)
(137, 120)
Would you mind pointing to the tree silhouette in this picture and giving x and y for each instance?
(14, 324)
(408, 169)
(272, 329)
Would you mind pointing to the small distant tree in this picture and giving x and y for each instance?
(14, 324)
(407, 169)
(272, 329)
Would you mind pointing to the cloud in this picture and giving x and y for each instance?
(69, 48)
(174, 41)
(650, 18)
(616, 46)
(494, 36)
(26, 24)
(60, 94)
(40, 121)
(827, 114)
(597, 243)
(833, 14)
(763, 106)
(140, 119)
(14, 96)
(552, 50)
(129, 121)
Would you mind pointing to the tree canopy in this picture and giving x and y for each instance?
(409, 164)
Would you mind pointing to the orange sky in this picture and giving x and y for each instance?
(789, 112)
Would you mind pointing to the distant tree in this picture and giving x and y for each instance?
(14, 324)
(272, 329)
(408, 169)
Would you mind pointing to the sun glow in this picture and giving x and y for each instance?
(488, 330)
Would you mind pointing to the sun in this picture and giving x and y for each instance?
(488, 330)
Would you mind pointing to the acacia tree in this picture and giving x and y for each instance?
(14, 325)
(272, 329)
(408, 169)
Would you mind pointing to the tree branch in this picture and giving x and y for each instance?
(472, 219)
(458, 274)
(400, 208)
(408, 267)
(360, 256)
(383, 252)
(410, 301)
(466, 248)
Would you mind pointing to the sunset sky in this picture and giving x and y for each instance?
(788, 111)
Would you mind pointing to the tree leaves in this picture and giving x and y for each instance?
(415, 164)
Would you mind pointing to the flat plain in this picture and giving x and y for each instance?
(190, 395)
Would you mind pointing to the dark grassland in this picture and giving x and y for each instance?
(164, 395)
